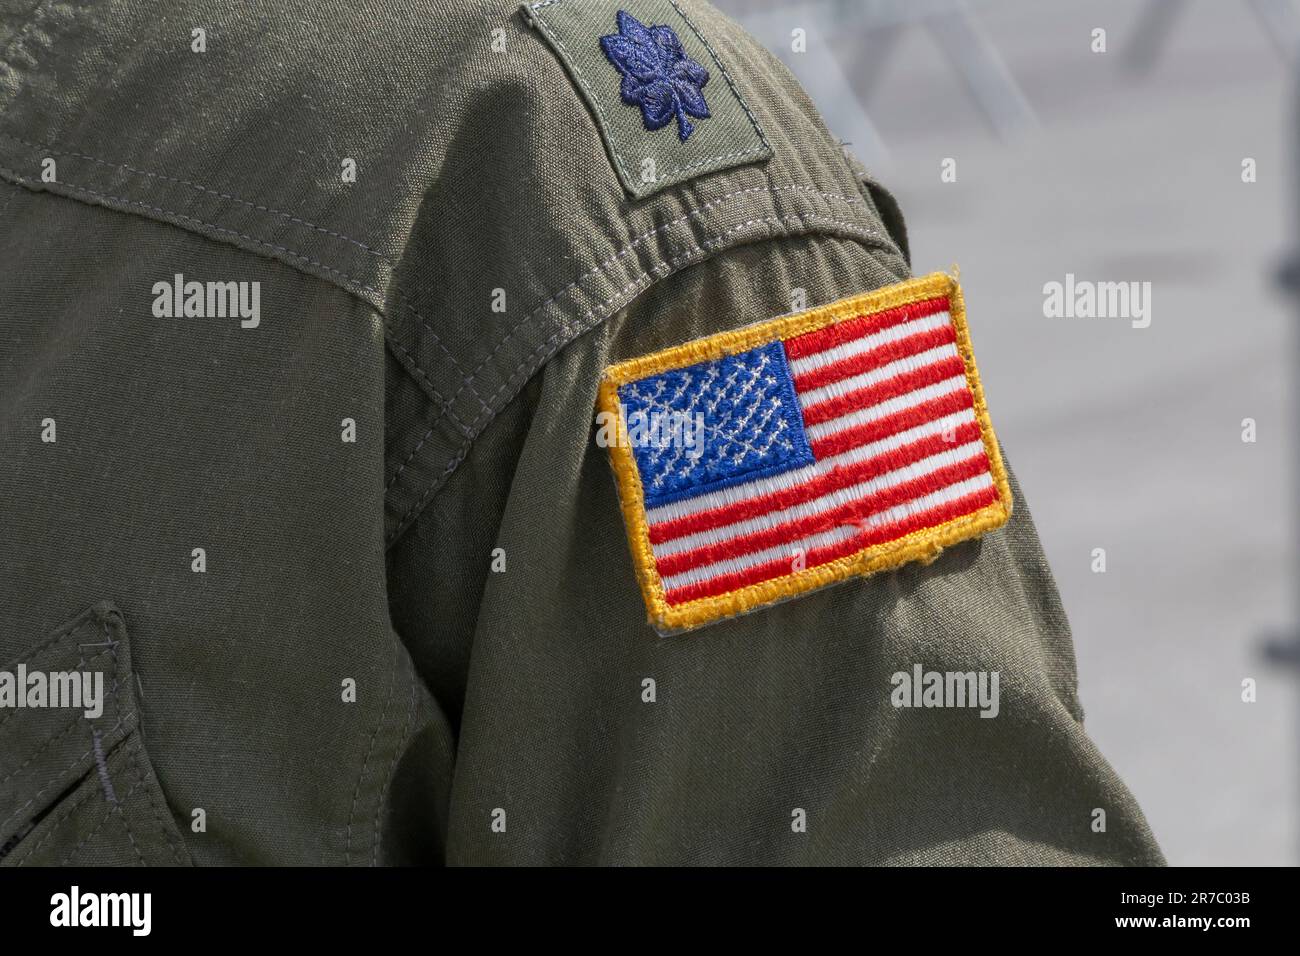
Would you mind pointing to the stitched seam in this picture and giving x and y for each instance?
(117, 808)
(117, 805)
(608, 262)
(112, 730)
(624, 251)
(659, 271)
(412, 365)
(589, 93)
(44, 747)
(58, 778)
(357, 283)
(63, 818)
(591, 97)
(52, 639)
(407, 303)
(82, 800)
(80, 664)
(121, 815)
(634, 243)
(153, 805)
(76, 716)
(288, 217)
(690, 253)
(463, 450)
(99, 826)
(441, 480)
(117, 709)
(63, 815)
(392, 767)
(113, 808)
(365, 765)
(406, 461)
(725, 75)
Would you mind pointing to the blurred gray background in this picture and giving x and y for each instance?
(1118, 166)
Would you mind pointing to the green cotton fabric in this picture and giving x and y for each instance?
(359, 567)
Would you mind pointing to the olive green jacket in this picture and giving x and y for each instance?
(351, 564)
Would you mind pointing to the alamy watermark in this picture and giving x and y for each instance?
(653, 429)
(78, 690)
(1085, 299)
(74, 909)
(208, 300)
(922, 688)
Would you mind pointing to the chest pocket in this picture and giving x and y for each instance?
(76, 786)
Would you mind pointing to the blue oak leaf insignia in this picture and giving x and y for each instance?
(658, 76)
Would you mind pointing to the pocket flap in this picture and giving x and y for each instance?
(70, 751)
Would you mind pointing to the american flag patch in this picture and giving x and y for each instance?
(758, 464)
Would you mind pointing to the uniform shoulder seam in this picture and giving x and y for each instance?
(746, 215)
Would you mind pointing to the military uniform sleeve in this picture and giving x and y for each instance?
(767, 738)
(778, 736)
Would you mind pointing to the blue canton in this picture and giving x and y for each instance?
(748, 419)
(658, 76)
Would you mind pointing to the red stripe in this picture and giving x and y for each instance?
(862, 398)
(881, 355)
(819, 341)
(842, 441)
(850, 512)
(840, 477)
(781, 566)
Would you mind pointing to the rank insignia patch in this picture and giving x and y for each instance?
(759, 464)
(657, 74)
(659, 95)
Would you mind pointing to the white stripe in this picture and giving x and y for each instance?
(834, 536)
(732, 565)
(788, 479)
(900, 367)
(844, 350)
(889, 406)
(827, 502)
